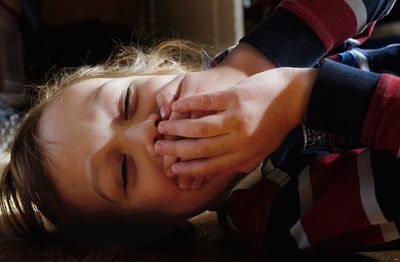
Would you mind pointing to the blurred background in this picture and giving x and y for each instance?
(39, 37)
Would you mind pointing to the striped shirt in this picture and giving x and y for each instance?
(334, 182)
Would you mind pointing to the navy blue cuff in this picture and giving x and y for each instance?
(286, 40)
(340, 99)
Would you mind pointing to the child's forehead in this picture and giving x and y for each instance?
(81, 87)
(99, 80)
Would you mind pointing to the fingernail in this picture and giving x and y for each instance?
(163, 112)
(174, 170)
(158, 147)
(161, 127)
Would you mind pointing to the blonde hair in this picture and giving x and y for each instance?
(29, 203)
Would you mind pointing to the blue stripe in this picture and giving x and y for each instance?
(347, 58)
(384, 60)
(285, 212)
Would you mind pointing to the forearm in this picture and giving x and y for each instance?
(300, 33)
(247, 59)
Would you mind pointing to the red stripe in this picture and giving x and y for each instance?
(381, 128)
(338, 208)
(335, 57)
(320, 176)
(250, 211)
(332, 21)
(364, 35)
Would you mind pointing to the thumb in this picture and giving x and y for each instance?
(167, 95)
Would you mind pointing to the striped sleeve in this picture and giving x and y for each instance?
(332, 106)
(314, 27)
(381, 129)
(373, 117)
(341, 201)
(348, 201)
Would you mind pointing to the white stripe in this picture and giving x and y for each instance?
(267, 166)
(389, 231)
(298, 233)
(388, 8)
(353, 41)
(367, 189)
(279, 177)
(362, 60)
(398, 153)
(305, 190)
(360, 12)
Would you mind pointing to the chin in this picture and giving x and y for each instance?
(206, 198)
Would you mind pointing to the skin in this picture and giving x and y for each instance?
(84, 138)
(252, 118)
(242, 62)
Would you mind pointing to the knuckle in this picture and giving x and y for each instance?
(169, 161)
(169, 128)
(244, 125)
(171, 151)
(185, 103)
(234, 98)
(201, 151)
(206, 101)
(240, 122)
(210, 169)
(200, 131)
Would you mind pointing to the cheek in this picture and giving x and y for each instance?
(155, 191)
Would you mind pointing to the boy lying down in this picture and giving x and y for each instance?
(86, 154)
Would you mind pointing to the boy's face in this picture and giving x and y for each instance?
(97, 140)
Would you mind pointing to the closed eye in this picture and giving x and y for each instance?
(127, 102)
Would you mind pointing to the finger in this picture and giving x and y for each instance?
(207, 126)
(168, 162)
(167, 95)
(195, 148)
(204, 102)
(245, 166)
(199, 114)
(206, 167)
(184, 182)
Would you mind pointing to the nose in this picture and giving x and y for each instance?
(143, 134)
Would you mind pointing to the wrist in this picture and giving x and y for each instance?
(247, 59)
(302, 83)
